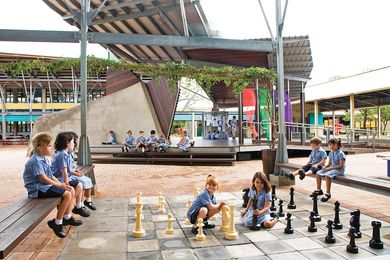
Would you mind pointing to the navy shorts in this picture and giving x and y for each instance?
(54, 191)
(73, 183)
(309, 167)
(194, 216)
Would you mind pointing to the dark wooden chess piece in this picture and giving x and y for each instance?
(273, 191)
(355, 222)
(375, 241)
(336, 223)
(351, 247)
(312, 227)
(330, 238)
(255, 226)
(280, 213)
(245, 197)
(291, 204)
(288, 229)
(317, 217)
(273, 208)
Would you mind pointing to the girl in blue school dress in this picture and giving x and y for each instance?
(184, 142)
(259, 191)
(61, 166)
(334, 167)
(41, 183)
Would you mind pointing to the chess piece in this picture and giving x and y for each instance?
(312, 227)
(336, 223)
(169, 230)
(288, 229)
(200, 236)
(225, 219)
(245, 197)
(161, 207)
(188, 205)
(376, 242)
(255, 226)
(158, 199)
(351, 247)
(330, 238)
(317, 217)
(273, 208)
(138, 200)
(355, 222)
(231, 234)
(138, 231)
(196, 192)
(281, 213)
(273, 191)
(291, 204)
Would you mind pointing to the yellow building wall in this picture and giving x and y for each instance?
(26, 106)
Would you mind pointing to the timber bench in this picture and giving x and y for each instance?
(20, 218)
(368, 184)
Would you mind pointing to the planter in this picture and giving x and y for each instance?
(268, 157)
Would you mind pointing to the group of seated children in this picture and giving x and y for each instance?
(152, 143)
(216, 135)
(58, 178)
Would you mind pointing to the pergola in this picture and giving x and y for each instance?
(157, 31)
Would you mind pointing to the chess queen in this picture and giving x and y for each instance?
(259, 193)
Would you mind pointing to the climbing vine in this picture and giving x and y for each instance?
(206, 76)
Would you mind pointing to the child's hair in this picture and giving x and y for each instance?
(162, 135)
(315, 140)
(40, 139)
(212, 180)
(111, 132)
(184, 131)
(234, 117)
(75, 138)
(335, 141)
(62, 140)
(153, 132)
(263, 178)
(141, 132)
(129, 132)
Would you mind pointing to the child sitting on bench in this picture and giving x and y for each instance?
(162, 144)
(141, 141)
(151, 142)
(111, 139)
(129, 141)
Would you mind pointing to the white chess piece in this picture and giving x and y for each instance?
(169, 230)
(200, 236)
(231, 234)
(225, 219)
(138, 231)
(188, 205)
(161, 206)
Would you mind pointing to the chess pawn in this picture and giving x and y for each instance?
(200, 236)
(330, 238)
(281, 213)
(231, 234)
(351, 247)
(158, 199)
(336, 223)
(317, 217)
(225, 219)
(273, 191)
(273, 208)
(169, 230)
(288, 229)
(196, 192)
(312, 227)
(355, 222)
(376, 242)
(138, 231)
(186, 220)
(161, 206)
(291, 204)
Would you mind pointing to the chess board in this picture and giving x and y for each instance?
(108, 233)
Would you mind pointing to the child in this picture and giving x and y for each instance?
(84, 180)
(209, 135)
(259, 192)
(40, 183)
(205, 205)
(217, 136)
(184, 142)
(111, 139)
(334, 167)
(61, 167)
(233, 125)
(316, 161)
(213, 135)
(151, 141)
(129, 141)
(162, 144)
(141, 140)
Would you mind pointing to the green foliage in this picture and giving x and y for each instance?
(206, 76)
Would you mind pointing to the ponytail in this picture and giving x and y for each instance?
(40, 139)
(335, 141)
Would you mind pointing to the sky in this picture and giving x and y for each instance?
(347, 36)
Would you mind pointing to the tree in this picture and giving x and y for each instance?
(364, 115)
(385, 117)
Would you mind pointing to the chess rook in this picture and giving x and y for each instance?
(375, 241)
(169, 230)
(288, 229)
(231, 234)
(355, 222)
(200, 236)
(291, 204)
(281, 213)
(352, 247)
(317, 217)
(330, 239)
(312, 227)
(336, 222)
(225, 219)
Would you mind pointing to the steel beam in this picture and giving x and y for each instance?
(39, 36)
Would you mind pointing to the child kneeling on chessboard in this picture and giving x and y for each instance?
(259, 204)
(205, 205)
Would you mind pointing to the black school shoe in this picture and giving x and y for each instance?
(326, 197)
(301, 174)
(194, 230)
(290, 176)
(319, 193)
(81, 211)
(71, 221)
(208, 226)
(89, 205)
(56, 228)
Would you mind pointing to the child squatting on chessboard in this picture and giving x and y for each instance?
(205, 205)
(259, 204)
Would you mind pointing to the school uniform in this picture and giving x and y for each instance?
(84, 180)
(60, 160)
(34, 167)
(162, 145)
(261, 197)
(315, 157)
(141, 141)
(111, 139)
(234, 125)
(335, 158)
(129, 141)
(185, 145)
(201, 201)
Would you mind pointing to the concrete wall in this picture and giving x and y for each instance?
(130, 108)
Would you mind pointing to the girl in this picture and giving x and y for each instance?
(60, 167)
(40, 183)
(111, 139)
(260, 192)
(184, 142)
(162, 144)
(205, 205)
(334, 167)
(129, 141)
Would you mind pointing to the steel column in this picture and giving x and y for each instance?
(302, 108)
(258, 128)
(316, 118)
(352, 117)
(240, 113)
(3, 113)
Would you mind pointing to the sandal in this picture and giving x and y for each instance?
(326, 197)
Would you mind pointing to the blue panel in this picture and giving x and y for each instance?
(19, 118)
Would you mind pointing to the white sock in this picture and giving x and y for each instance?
(88, 199)
(58, 221)
(82, 204)
(67, 216)
(78, 204)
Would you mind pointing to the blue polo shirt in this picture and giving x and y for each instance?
(317, 156)
(335, 159)
(141, 139)
(129, 140)
(201, 201)
(60, 160)
(152, 139)
(34, 167)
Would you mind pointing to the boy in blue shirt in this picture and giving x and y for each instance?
(316, 161)
(111, 139)
(151, 142)
(141, 141)
(162, 144)
(129, 141)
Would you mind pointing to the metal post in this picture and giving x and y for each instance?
(84, 156)
(193, 124)
(257, 108)
(240, 113)
(30, 108)
(281, 153)
(379, 121)
(3, 113)
(316, 118)
(184, 18)
(352, 117)
(43, 99)
(303, 130)
(334, 122)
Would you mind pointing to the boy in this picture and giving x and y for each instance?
(316, 161)
(151, 141)
(141, 140)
